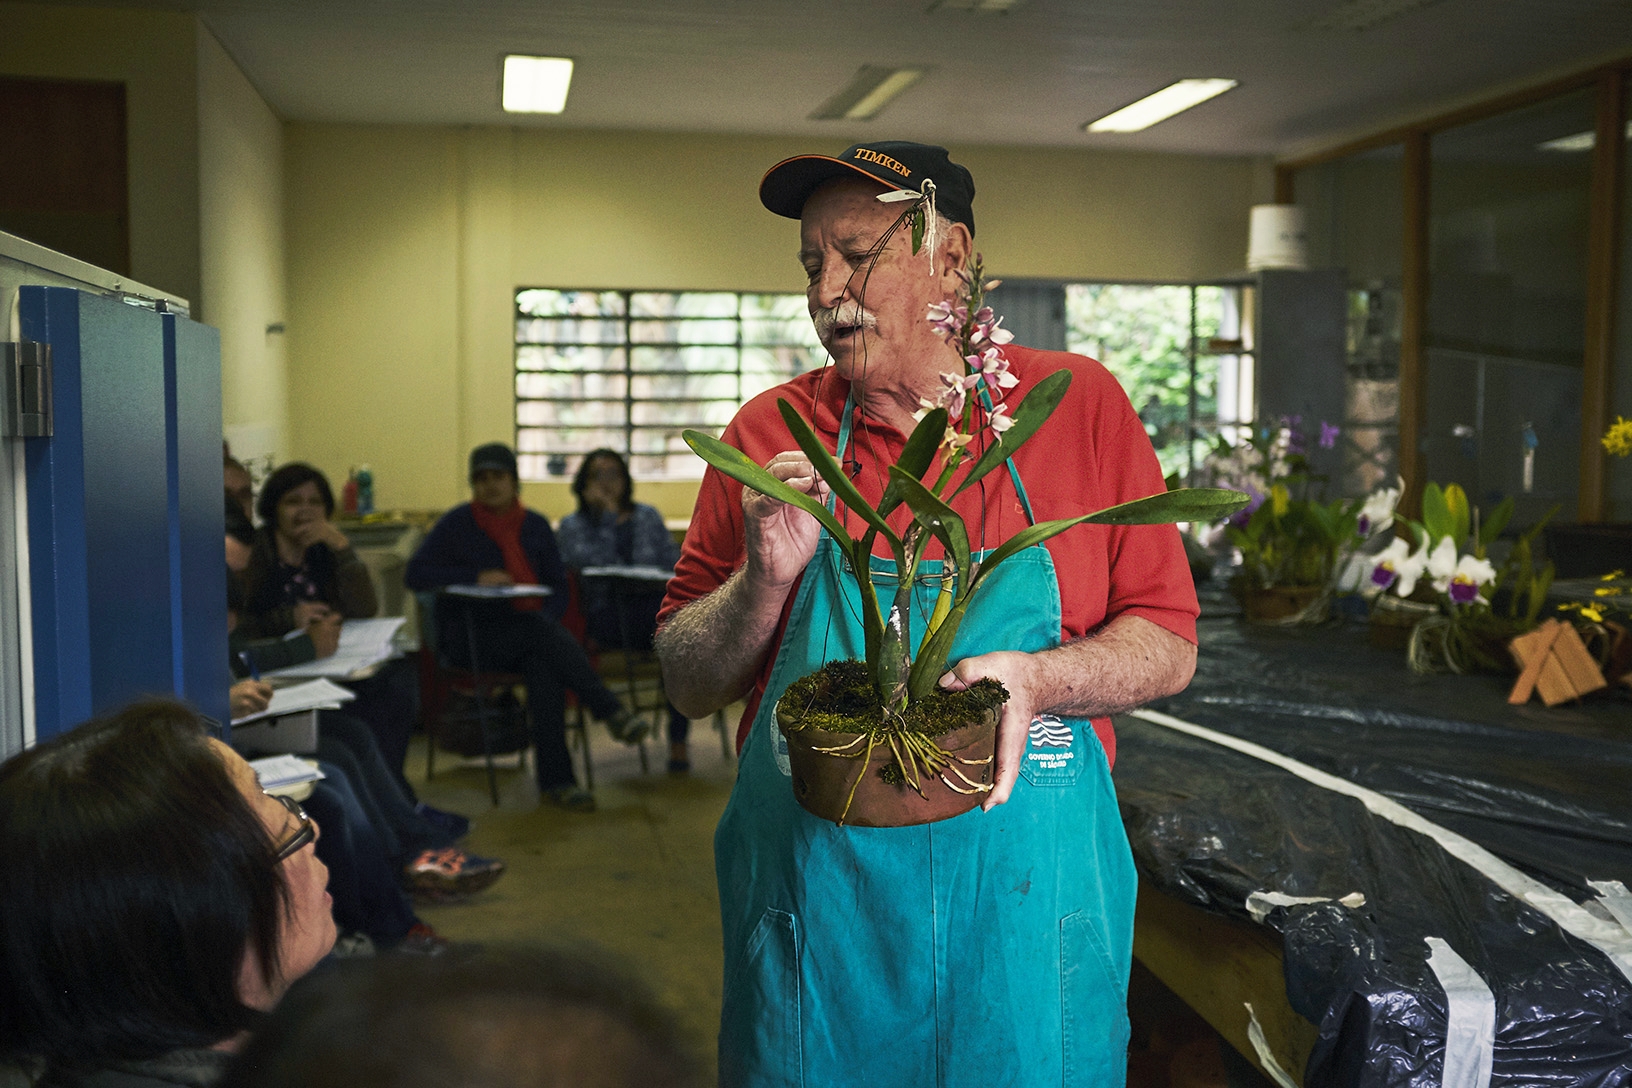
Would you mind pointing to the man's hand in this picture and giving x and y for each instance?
(781, 538)
(249, 697)
(1014, 672)
(307, 611)
(325, 634)
(495, 577)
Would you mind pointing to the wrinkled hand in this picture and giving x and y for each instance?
(1013, 671)
(325, 634)
(494, 577)
(249, 697)
(781, 538)
(307, 611)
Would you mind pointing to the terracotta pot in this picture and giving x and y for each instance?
(822, 782)
(1281, 604)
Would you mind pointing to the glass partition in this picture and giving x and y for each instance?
(1508, 208)
(1354, 213)
(1618, 504)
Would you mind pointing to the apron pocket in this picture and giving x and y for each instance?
(1093, 1008)
(759, 1024)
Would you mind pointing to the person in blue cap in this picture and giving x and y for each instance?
(995, 946)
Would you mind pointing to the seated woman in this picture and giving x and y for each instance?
(495, 541)
(611, 529)
(303, 574)
(156, 902)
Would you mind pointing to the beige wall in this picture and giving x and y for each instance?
(240, 206)
(153, 54)
(405, 245)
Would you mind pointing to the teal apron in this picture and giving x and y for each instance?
(989, 949)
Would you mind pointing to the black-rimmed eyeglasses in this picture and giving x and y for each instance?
(305, 830)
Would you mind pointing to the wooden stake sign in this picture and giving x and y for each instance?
(1553, 660)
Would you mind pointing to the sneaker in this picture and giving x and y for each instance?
(627, 726)
(422, 940)
(571, 798)
(450, 824)
(451, 873)
(352, 946)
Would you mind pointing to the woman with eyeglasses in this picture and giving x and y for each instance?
(155, 902)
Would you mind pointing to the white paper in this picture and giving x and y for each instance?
(284, 770)
(313, 695)
(362, 643)
(498, 593)
(639, 574)
(1470, 1022)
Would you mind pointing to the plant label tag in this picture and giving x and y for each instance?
(1054, 753)
(779, 749)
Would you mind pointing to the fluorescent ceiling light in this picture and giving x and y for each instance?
(864, 96)
(984, 7)
(536, 84)
(1581, 141)
(1174, 98)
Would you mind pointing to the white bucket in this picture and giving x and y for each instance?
(1277, 238)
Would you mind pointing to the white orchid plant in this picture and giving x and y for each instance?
(1447, 555)
(964, 431)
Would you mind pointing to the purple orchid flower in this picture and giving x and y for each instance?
(1328, 434)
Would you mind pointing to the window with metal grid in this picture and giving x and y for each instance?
(631, 370)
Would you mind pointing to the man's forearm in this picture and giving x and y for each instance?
(1126, 664)
(712, 648)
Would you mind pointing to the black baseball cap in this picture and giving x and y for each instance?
(898, 164)
(494, 455)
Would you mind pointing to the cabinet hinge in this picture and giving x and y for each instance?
(27, 390)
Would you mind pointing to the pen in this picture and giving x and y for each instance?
(249, 663)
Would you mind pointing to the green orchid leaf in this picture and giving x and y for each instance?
(1436, 517)
(736, 464)
(916, 456)
(872, 617)
(927, 668)
(917, 229)
(1496, 522)
(1029, 415)
(1461, 516)
(936, 516)
(1193, 504)
(833, 472)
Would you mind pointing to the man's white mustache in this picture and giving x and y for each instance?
(848, 314)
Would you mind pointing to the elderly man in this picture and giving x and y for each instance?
(992, 948)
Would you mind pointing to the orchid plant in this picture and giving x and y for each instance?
(1448, 557)
(964, 431)
(1286, 535)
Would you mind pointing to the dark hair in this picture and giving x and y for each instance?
(489, 1017)
(286, 479)
(239, 527)
(136, 876)
(580, 478)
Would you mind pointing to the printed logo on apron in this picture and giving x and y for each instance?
(1054, 753)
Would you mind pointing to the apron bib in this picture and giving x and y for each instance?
(989, 949)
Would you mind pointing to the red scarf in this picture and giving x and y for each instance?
(504, 526)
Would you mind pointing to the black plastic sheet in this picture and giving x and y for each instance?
(1549, 792)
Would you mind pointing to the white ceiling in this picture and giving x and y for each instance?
(1032, 76)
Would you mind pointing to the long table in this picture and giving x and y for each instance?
(1346, 994)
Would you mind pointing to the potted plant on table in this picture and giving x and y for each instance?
(1293, 545)
(877, 742)
(1466, 608)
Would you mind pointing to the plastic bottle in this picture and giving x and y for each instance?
(348, 494)
(365, 490)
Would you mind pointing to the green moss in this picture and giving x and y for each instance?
(839, 698)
